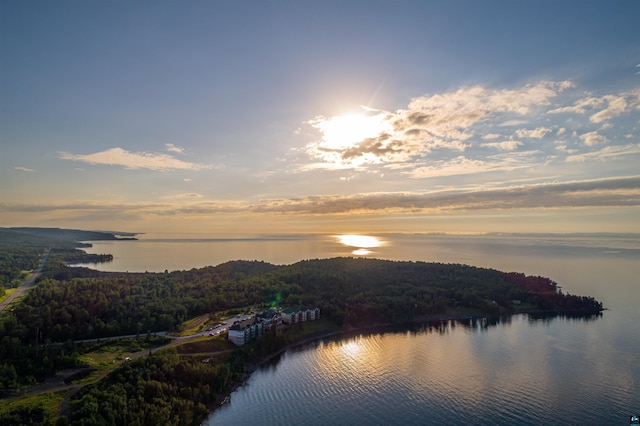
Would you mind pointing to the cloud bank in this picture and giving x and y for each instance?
(614, 192)
(444, 134)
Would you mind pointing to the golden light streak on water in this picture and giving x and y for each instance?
(361, 243)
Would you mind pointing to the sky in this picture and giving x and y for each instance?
(260, 117)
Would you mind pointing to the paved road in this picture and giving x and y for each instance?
(212, 331)
(27, 283)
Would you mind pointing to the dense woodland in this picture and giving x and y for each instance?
(22, 248)
(71, 304)
(355, 292)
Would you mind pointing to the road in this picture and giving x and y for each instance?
(24, 287)
(211, 331)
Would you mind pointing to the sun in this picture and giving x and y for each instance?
(345, 131)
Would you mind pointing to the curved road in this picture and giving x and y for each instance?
(24, 287)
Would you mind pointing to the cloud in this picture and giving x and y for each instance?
(538, 133)
(446, 121)
(579, 107)
(23, 169)
(133, 160)
(491, 136)
(174, 148)
(615, 192)
(612, 192)
(592, 138)
(616, 105)
(607, 106)
(428, 137)
(563, 148)
(503, 146)
(512, 123)
(606, 153)
(185, 196)
(465, 166)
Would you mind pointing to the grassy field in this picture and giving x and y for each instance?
(204, 345)
(301, 330)
(45, 404)
(195, 325)
(7, 292)
(109, 354)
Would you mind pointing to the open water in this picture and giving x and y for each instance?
(518, 371)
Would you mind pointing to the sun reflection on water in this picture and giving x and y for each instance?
(351, 348)
(361, 243)
(361, 252)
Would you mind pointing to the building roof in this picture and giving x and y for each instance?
(293, 310)
(241, 325)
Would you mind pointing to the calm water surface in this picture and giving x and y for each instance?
(519, 371)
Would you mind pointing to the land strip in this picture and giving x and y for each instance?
(26, 285)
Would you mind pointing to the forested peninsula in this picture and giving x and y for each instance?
(45, 333)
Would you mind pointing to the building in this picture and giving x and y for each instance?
(270, 319)
(244, 331)
(300, 314)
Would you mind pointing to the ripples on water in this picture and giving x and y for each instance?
(520, 371)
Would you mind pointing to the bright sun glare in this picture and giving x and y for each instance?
(344, 131)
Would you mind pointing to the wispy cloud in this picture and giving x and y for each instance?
(23, 169)
(606, 153)
(133, 160)
(174, 148)
(464, 166)
(503, 146)
(184, 196)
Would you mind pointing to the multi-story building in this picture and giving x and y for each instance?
(248, 329)
(244, 331)
(270, 319)
(300, 314)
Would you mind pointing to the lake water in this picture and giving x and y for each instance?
(521, 370)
